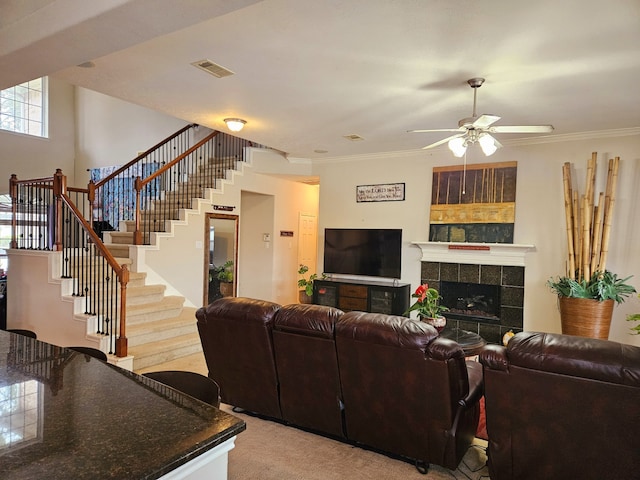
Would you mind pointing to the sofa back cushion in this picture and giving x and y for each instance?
(236, 336)
(561, 406)
(397, 396)
(310, 394)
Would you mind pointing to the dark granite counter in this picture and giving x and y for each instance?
(65, 415)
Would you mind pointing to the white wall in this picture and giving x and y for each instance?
(34, 157)
(266, 273)
(110, 131)
(539, 211)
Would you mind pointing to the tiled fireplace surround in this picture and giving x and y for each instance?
(462, 263)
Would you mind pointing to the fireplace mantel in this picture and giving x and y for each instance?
(509, 254)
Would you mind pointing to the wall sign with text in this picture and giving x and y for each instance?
(385, 192)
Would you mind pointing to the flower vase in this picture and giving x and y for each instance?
(438, 322)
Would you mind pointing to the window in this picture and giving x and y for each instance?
(23, 108)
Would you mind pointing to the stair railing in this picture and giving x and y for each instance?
(164, 186)
(111, 197)
(45, 217)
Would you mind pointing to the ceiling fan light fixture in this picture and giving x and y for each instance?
(458, 146)
(235, 124)
(488, 144)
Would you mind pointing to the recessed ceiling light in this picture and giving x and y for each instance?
(87, 65)
(321, 151)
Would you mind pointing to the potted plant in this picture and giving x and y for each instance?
(586, 306)
(306, 294)
(428, 306)
(588, 291)
(224, 274)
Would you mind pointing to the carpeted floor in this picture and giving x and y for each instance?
(272, 451)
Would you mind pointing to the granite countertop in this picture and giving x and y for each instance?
(65, 415)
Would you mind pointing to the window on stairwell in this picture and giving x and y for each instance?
(23, 108)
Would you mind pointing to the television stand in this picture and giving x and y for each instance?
(362, 295)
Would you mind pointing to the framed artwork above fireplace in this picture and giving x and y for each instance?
(473, 203)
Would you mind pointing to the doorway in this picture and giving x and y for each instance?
(221, 256)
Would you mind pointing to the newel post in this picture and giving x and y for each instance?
(59, 189)
(122, 348)
(13, 190)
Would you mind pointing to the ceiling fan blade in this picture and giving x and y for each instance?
(483, 121)
(438, 130)
(444, 140)
(495, 141)
(521, 129)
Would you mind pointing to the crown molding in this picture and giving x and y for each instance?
(538, 140)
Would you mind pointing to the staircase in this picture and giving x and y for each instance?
(159, 328)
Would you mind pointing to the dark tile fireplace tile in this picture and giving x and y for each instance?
(511, 317)
(449, 272)
(512, 296)
(430, 271)
(513, 276)
(469, 273)
(491, 274)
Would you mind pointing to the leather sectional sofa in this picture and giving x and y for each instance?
(384, 382)
(562, 407)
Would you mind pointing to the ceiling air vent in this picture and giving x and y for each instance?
(212, 68)
(353, 137)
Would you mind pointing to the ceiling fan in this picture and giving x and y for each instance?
(478, 128)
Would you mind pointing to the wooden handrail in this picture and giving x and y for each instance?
(122, 272)
(175, 161)
(141, 156)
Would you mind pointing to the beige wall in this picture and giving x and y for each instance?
(539, 208)
(539, 211)
(265, 204)
(113, 132)
(33, 157)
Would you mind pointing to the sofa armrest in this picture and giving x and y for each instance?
(476, 385)
(494, 357)
(444, 349)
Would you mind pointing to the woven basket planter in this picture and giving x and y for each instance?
(585, 317)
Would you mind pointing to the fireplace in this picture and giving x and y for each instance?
(481, 284)
(471, 301)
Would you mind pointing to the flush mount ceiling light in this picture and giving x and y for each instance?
(235, 124)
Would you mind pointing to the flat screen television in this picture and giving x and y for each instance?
(373, 252)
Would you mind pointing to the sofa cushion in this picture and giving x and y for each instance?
(384, 329)
(570, 355)
(310, 320)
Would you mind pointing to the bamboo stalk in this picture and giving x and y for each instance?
(566, 177)
(586, 237)
(576, 235)
(614, 164)
(597, 233)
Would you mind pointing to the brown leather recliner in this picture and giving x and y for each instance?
(406, 390)
(236, 337)
(562, 407)
(310, 394)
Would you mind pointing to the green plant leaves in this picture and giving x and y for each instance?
(601, 287)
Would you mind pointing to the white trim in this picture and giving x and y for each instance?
(509, 254)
